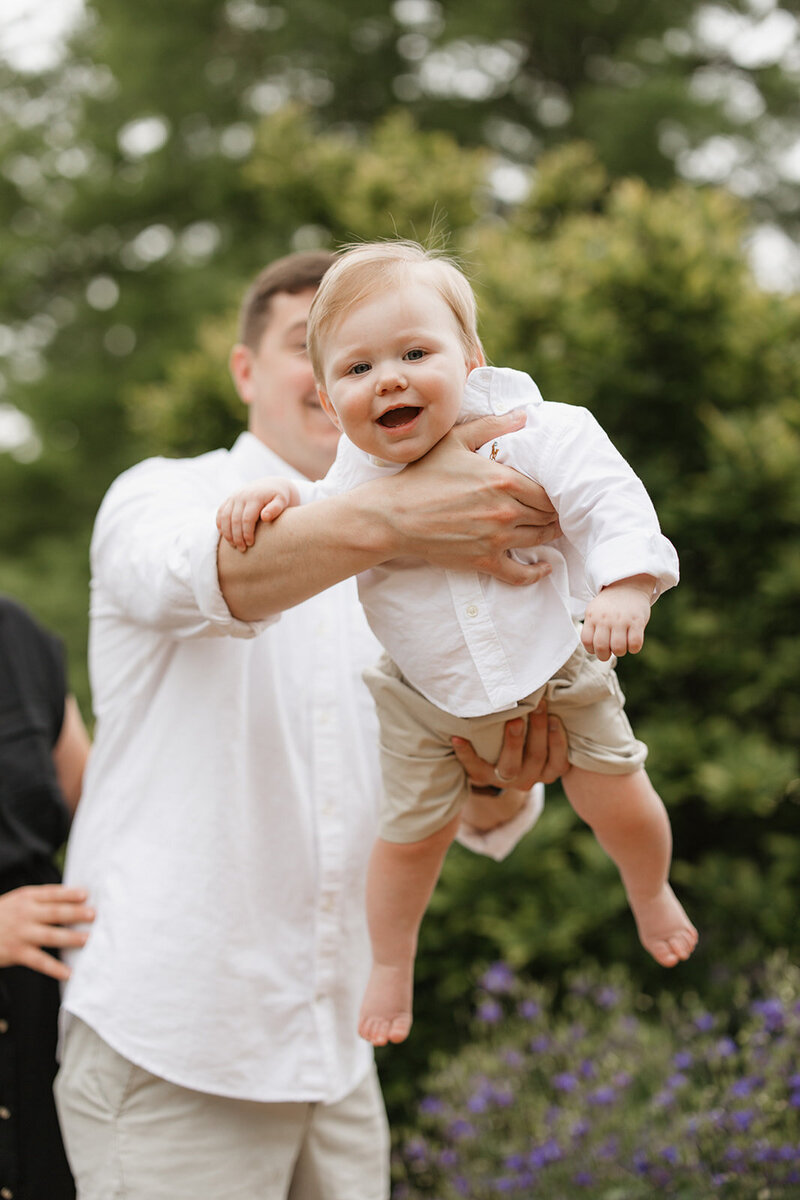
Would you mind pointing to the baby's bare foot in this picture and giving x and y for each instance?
(664, 928)
(386, 1007)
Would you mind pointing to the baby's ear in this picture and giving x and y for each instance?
(476, 359)
(329, 409)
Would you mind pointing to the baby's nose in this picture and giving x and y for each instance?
(390, 379)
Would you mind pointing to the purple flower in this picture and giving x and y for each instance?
(725, 1047)
(461, 1185)
(670, 1154)
(513, 1058)
(539, 1044)
(794, 1099)
(580, 1128)
(607, 997)
(477, 1103)
(490, 1012)
(602, 1096)
(529, 1009)
(505, 1183)
(677, 1080)
(704, 1022)
(587, 1069)
(743, 1120)
(583, 1179)
(499, 978)
(548, 1152)
(565, 1082)
(448, 1157)
(416, 1150)
(772, 1012)
(640, 1162)
(515, 1162)
(609, 1150)
(742, 1087)
(460, 1128)
(682, 1060)
(431, 1105)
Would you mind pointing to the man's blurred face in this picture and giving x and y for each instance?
(277, 384)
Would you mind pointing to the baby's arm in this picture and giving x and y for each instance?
(616, 618)
(263, 500)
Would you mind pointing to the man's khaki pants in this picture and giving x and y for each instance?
(132, 1136)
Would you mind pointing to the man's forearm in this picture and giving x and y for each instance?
(452, 508)
(303, 552)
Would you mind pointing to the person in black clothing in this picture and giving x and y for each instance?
(43, 750)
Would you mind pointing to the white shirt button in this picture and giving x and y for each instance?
(472, 610)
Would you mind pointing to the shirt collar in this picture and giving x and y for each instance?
(254, 458)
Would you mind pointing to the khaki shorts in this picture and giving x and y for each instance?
(133, 1136)
(424, 785)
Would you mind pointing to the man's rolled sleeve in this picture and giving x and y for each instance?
(154, 554)
(498, 843)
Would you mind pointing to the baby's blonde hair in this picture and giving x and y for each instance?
(365, 268)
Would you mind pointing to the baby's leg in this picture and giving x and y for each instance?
(631, 824)
(400, 880)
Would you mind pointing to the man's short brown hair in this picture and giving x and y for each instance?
(294, 273)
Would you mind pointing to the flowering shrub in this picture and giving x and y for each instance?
(614, 1096)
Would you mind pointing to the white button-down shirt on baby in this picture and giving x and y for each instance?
(470, 643)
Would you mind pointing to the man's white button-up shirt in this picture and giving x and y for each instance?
(229, 806)
(470, 643)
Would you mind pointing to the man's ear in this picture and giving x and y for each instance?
(329, 409)
(240, 365)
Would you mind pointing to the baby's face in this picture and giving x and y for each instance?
(395, 368)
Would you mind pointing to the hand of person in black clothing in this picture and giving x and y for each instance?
(38, 916)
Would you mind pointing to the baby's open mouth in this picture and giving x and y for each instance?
(398, 416)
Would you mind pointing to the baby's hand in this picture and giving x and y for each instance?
(263, 500)
(616, 618)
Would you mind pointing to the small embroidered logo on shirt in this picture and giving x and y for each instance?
(493, 455)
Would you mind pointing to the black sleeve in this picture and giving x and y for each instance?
(33, 816)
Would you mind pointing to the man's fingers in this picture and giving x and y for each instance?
(509, 761)
(557, 762)
(478, 772)
(510, 571)
(473, 434)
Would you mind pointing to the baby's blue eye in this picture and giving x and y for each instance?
(359, 369)
(415, 355)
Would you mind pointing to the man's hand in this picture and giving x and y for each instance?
(538, 755)
(472, 511)
(615, 620)
(33, 917)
